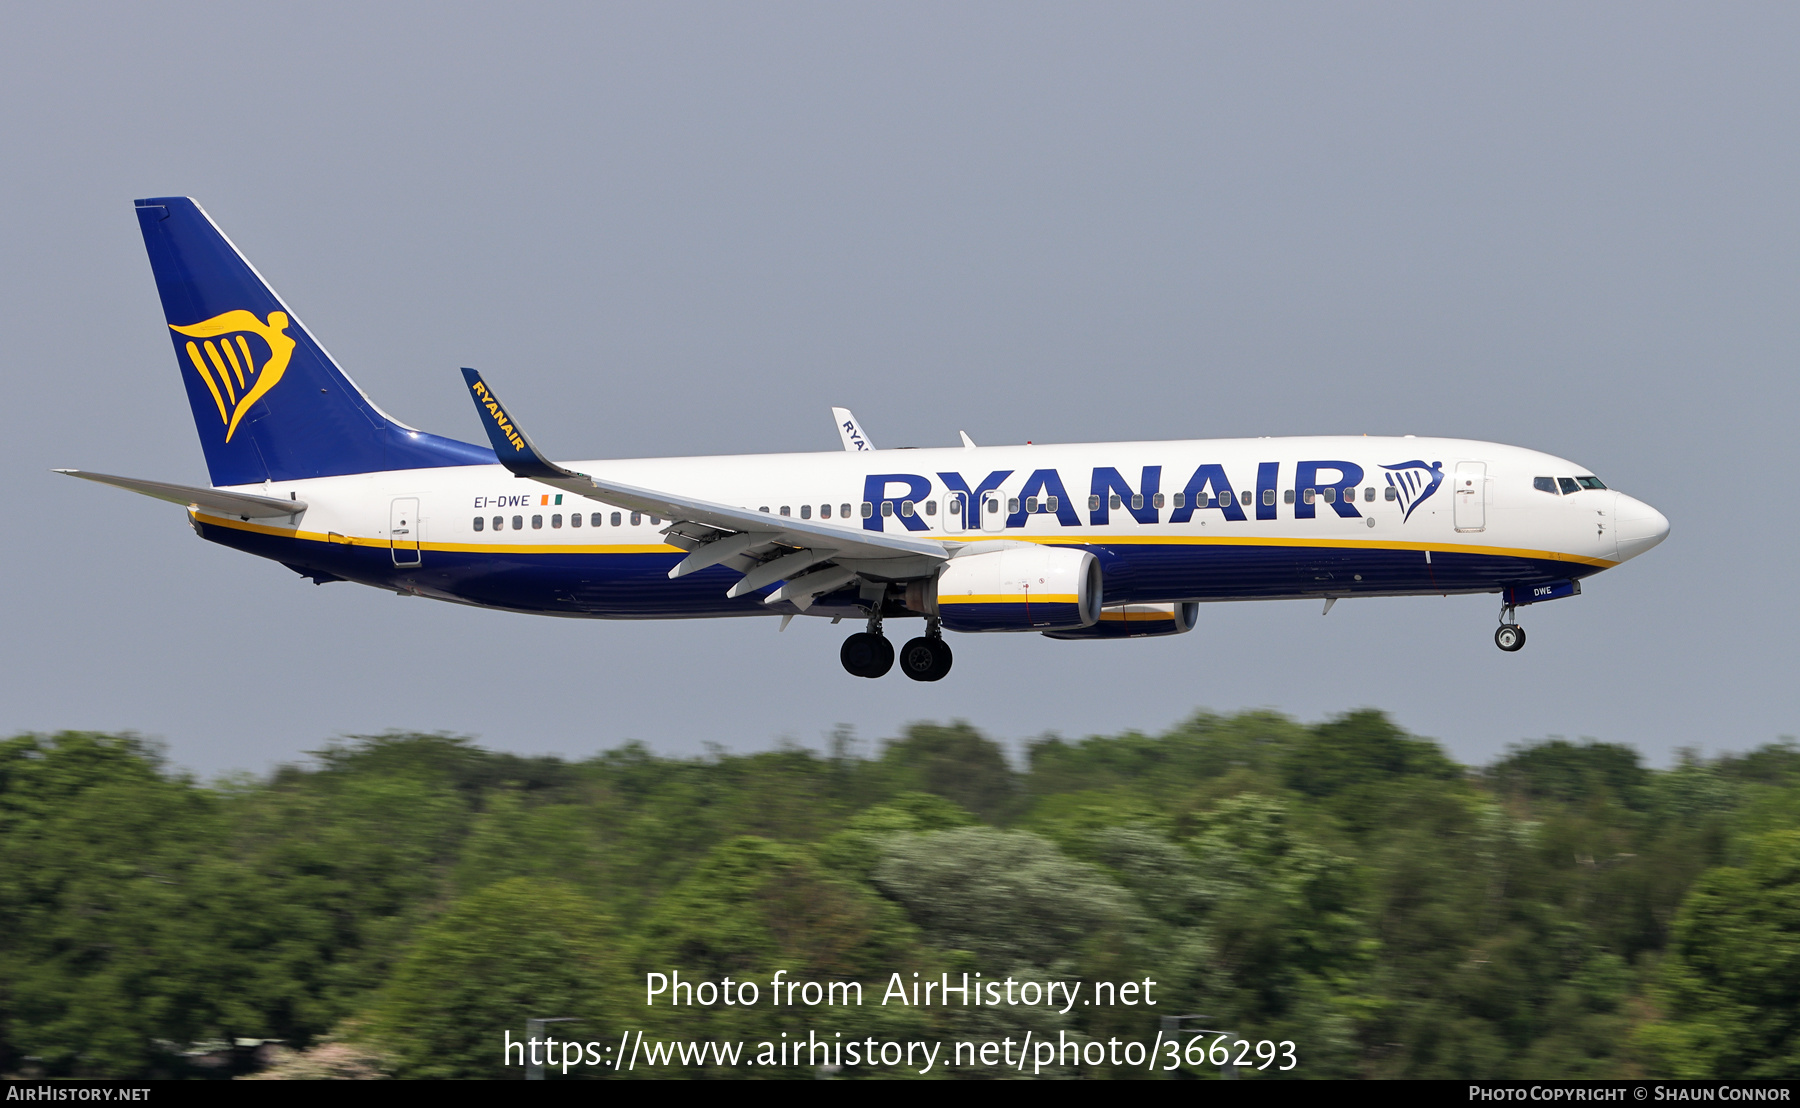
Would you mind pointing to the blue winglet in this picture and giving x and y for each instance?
(515, 451)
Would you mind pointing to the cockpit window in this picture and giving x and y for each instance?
(1544, 484)
(1589, 482)
(1568, 485)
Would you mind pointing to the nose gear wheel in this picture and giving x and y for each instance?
(1509, 636)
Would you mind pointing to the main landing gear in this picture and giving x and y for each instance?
(1509, 636)
(870, 654)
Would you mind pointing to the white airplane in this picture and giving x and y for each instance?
(1080, 541)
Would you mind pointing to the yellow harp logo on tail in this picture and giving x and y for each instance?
(227, 363)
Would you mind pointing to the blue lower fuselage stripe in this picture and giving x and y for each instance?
(636, 585)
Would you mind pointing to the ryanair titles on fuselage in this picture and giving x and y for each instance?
(1335, 483)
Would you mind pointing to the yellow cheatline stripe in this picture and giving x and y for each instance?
(1101, 540)
(1332, 544)
(206, 375)
(1012, 598)
(237, 367)
(212, 354)
(1119, 614)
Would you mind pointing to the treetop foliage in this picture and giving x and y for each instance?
(400, 900)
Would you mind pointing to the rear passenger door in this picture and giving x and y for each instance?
(403, 530)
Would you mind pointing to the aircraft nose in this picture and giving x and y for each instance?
(1638, 526)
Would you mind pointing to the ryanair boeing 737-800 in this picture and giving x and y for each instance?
(1086, 541)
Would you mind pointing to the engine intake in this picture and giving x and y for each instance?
(1137, 621)
(1016, 588)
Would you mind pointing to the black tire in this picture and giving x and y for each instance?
(1509, 637)
(925, 659)
(866, 655)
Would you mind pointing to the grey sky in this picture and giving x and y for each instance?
(668, 229)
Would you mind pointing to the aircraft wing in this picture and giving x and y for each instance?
(851, 431)
(812, 558)
(241, 504)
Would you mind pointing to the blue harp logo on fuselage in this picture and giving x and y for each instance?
(1414, 482)
(226, 359)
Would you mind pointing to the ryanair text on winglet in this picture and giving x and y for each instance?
(501, 419)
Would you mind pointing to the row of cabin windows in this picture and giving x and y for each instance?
(806, 510)
(596, 519)
(1052, 504)
(1564, 486)
(1033, 505)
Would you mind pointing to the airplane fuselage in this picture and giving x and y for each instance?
(1208, 520)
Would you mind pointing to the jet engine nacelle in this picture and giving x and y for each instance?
(1136, 621)
(1015, 588)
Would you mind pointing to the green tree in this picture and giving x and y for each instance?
(1731, 979)
(957, 763)
(520, 949)
(754, 910)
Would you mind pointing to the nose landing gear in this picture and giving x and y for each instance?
(1509, 636)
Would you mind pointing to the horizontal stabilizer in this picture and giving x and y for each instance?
(241, 504)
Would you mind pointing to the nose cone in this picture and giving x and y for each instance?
(1638, 526)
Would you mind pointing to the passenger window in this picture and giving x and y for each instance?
(887, 509)
(844, 512)
(1392, 493)
(537, 523)
(1115, 502)
(479, 523)
(499, 523)
(786, 511)
(1287, 496)
(1309, 495)
(955, 506)
(868, 509)
(1269, 497)
(906, 507)
(1053, 503)
(806, 511)
(1330, 495)
(617, 519)
(637, 518)
(1156, 501)
(1179, 499)
(518, 523)
(1012, 506)
(931, 507)
(1369, 495)
(1544, 484)
(1243, 498)
(824, 511)
(556, 521)
(1589, 482)
(1094, 503)
(655, 522)
(1568, 485)
(574, 519)
(1031, 505)
(1137, 501)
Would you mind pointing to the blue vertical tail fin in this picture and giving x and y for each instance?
(269, 402)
